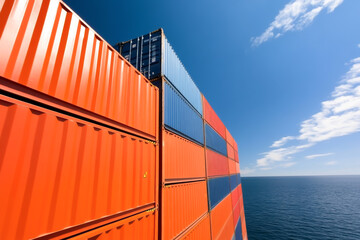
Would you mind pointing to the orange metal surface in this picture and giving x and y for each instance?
(182, 205)
(47, 47)
(200, 231)
(236, 156)
(235, 196)
(237, 167)
(230, 151)
(57, 171)
(228, 230)
(235, 146)
(140, 226)
(243, 225)
(229, 138)
(182, 158)
(212, 118)
(236, 212)
(217, 164)
(219, 216)
(232, 166)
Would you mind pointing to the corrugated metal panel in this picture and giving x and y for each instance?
(200, 231)
(228, 231)
(238, 231)
(58, 171)
(229, 138)
(235, 146)
(214, 141)
(181, 158)
(236, 157)
(182, 205)
(234, 181)
(140, 226)
(180, 117)
(236, 212)
(230, 151)
(235, 195)
(154, 57)
(217, 164)
(176, 73)
(242, 217)
(238, 179)
(48, 48)
(218, 189)
(232, 166)
(219, 216)
(212, 119)
(237, 167)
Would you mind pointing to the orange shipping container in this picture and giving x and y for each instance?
(217, 164)
(140, 226)
(57, 171)
(232, 166)
(235, 196)
(47, 47)
(236, 156)
(181, 159)
(230, 151)
(212, 118)
(236, 212)
(229, 138)
(182, 204)
(228, 230)
(237, 167)
(219, 216)
(200, 231)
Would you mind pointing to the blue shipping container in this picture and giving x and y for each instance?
(233, 181)
(214, 141)
(238, 179)
(153, 56)
(180, 117)
(238, 230)
(218, 189)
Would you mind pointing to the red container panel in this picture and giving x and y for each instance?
(230, 151)
(232, 166)
(229, 138)
(228, 230)
(235, 146)
(58, 171)
(235, 196)
(200, 231)
(237, 168)
(217, 164)
(182, 158)
(219, 216)
(140, 226)
(212, 118)
(236, 156)
(47, 47)
(236, 212)
(182, 205)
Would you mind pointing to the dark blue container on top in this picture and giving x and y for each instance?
(233, 181)
(238, 230)
(214, 141)
(153, 56)
(218, 189)
(180, 117)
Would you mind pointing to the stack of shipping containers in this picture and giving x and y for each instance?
(78, 131)
(200, 175)
(91, 149)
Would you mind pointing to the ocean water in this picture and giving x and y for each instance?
(316, 207)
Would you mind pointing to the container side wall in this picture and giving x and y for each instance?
(230, 151)
(200, 231)
(219, 216)
(212, 118)
(58, 171)
(175, 72)
(218, 189)
(232, 166)
(48, 48)
(238, 231)
(140, 226)
(182, 205)
(182, 159)
(234, 181)
(217, 164)
(228, 230)
(214, 141)
(180, 117)
(229, 138)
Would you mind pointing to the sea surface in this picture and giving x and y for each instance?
(316, 207)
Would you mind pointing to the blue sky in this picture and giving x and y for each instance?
(283, 75)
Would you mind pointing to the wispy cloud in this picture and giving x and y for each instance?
(288, 164)
(339, 116)
(295, 16)
(247, 171)
(318, 155)
(331, 163)
(359, 45)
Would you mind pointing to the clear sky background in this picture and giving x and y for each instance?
(284, 76)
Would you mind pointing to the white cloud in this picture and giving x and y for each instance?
(318, 155)
(295, 16)
(359, 45)
(247, 171)
(331, 163)
(339, 116)
(288, 164)
(282, 141)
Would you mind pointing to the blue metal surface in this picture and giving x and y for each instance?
(180, 117)
(233, 181)
(238, 179)
(153, 56)
(214, 141)
(238, 230)
(218, 189)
